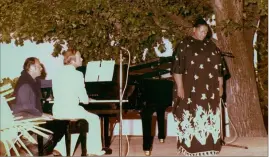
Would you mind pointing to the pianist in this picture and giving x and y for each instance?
(69, 90)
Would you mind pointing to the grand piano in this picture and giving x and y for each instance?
(146, 91)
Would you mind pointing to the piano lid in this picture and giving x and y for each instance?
(155, 67)
(149, 69)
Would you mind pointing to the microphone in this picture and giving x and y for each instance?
(227, 54)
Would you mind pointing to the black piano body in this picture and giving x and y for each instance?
(145, 91)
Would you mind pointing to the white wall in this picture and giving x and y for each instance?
(13, 57)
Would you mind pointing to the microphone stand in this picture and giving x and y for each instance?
(120, 93)
(222, 104)
(221, 129)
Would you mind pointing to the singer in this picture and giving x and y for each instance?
(197, 71)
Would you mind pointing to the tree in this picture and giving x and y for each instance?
(98, 28)
(241, 18)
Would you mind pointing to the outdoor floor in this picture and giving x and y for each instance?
(257, 146)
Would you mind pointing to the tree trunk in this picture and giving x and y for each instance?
(242, 94)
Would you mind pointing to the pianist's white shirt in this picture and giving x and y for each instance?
(68, 90)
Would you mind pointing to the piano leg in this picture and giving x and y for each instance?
(161, 122)
(146, 117)
(106, 134)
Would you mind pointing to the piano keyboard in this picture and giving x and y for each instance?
(107, 101)
(93, 101)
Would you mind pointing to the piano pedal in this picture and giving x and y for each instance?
(161, 140)
(147, 153)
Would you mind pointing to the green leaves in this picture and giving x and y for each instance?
(91, 26)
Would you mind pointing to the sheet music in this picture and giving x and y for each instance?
(92, 71)
(106, 70)
(97, 71)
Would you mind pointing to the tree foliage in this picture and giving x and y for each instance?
(91, 26)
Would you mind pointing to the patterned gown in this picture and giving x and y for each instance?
(198, 115)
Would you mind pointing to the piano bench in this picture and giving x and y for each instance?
(72, 126)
